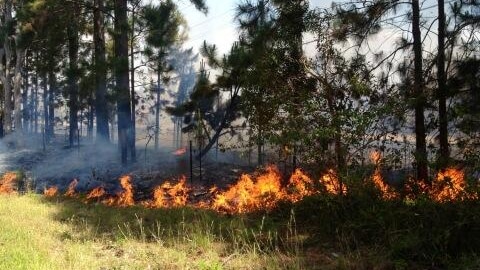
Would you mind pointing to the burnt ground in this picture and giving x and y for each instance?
(93, 165)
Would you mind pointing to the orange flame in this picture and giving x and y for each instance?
(168, 195)
(299, 186)
(7, 183)
(386, 191)
(450, 185)
(377, 178)
(96, 193)
(375, 157)
(180, 152)
(125, 197)
(50, 192)
(251, 194)
(71, 188)
(332, 184)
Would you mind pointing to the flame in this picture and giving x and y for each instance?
(332, 184)
(375, 157)
(450, 185)
(180, 152)
(125, 197)
(50, 192)
(71, 188)
(386, 191)
(168, 195)
(7, 183)
(250, 194)
(96, 193)
(300, 185)
(377, 178)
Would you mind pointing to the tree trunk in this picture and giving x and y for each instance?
(35, 104)
(101, 105)
(73, 45)
(420, 134)
(52, 82)
(121, 78)
(17, 90)
(5, 73)
(45, 105)
(442, 87)
(133, 101)
(157, 111)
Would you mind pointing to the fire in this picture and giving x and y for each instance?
(300, 185)
(332, 184)
(125, 197)
(168, 195)
(250, 194)
(180, 152)
(96, 193)
(50, 192)
(375, 157)
(71, 188)
(377, 178)
(7, 183)
(386, 191)
(449, 185)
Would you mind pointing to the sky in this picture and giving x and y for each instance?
(218, 26)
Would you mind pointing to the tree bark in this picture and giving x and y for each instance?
(17, 89)
(5, 75)
(73, 45)
(101, 105)
(157, 111)
(52, 83)
(442, 87)
(121, 78)
(419, 96)
(133, 100)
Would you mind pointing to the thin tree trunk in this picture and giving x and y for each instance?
(35, 104)
(121, 78)
(442, 87)
(45, 106)
(101, 105)
(52, 82)
(420, 134)
(5, 70)
(73, 76)
(133, 152)
(17, 90)
(157, 112)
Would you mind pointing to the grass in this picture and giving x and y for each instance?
(66, 234)
(356, 231)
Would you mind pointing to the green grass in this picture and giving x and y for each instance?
(36, 233)
(357, 231)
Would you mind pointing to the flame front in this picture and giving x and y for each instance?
(96, 193)
(250, 194)
(450, 185)
(7, 183)
(332, 183)
(125, 197)
(299, 186)
(71, 188)
(168, 195)
(50, 192)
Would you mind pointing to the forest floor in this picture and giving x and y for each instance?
(358, 230)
